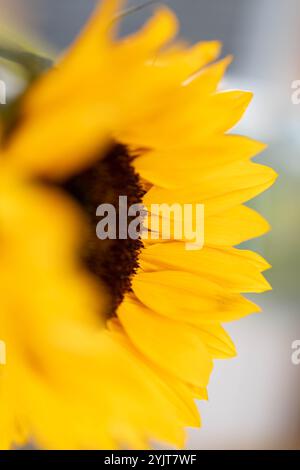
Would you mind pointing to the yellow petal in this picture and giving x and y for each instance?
(176, 169)
(218, 190)
(206, 80)
(215, 114)
(177, 349)
(79, 120)
(177, 392)
(192, 59)
(217, 341)
(234, 226)
(67, 138)
(85, 54)
(234, 269)
(166, 292)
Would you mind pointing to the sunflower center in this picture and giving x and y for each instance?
(114, 261)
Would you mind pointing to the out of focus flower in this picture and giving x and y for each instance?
(110, 342)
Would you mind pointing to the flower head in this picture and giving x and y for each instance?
(109, 342)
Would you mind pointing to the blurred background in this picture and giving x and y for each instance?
(254, 400)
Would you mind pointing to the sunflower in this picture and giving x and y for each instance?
(110, 342)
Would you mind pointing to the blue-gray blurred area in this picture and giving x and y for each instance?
(254, 399)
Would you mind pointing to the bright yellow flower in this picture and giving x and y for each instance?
(109, 343)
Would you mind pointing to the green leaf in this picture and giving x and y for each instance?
(29, 54)
(25, 57)
(33, 64)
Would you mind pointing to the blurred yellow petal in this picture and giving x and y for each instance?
(179, 351)
(112, 340)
